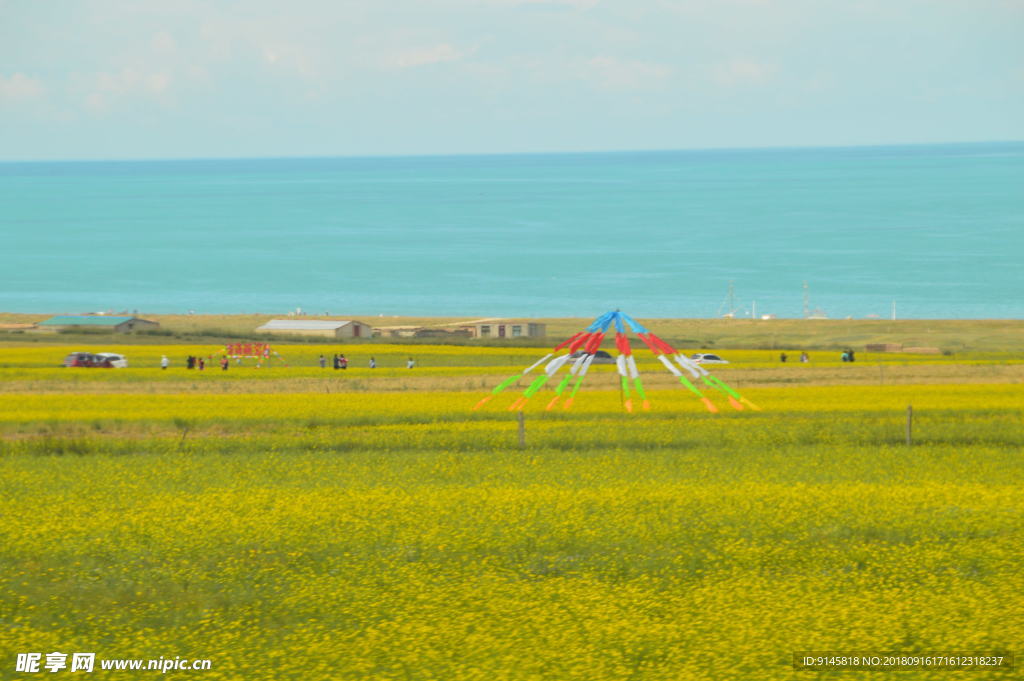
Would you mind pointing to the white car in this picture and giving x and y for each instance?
(703, 358)
(112, 360)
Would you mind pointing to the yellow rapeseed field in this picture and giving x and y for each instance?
(388, 355)
(397, 534)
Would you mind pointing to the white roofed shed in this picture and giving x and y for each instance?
(329, 328)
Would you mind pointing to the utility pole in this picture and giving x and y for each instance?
(729, 304)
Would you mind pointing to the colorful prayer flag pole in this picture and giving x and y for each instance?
(578, 351)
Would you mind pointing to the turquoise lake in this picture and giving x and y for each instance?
(937, 229)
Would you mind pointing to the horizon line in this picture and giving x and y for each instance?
(464, 319)
(158, 159)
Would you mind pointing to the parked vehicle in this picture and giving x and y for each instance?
(80, 359)
(704, 358)
(600, 357)
(101, 360)
(112, 360)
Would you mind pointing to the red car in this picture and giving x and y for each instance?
(80, 359)
(103, 360)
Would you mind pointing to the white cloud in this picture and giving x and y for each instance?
(575, 4)
(163, 42)
(96, 103)
(443, 52)
(292, 60)
(20, 88)
(103, 90)
(707, 6)
(125, 80)
(156, 83)
(612, 73)
(740, 72)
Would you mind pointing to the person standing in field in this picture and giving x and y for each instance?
(224, 363)
(343, 361)
(334, 361)
(783, 357)
(410, 364)
(323, 362)
(804, 357)
(373, 363)
(164, 362)
(202, 363)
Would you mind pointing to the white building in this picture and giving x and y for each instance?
(342, 328)
(509, 328)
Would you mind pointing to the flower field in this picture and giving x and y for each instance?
(50, 355)
(390, 532)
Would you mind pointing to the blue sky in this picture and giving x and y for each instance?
(97, 79)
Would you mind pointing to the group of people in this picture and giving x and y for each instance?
(847, 356)
(339, 361)
(200, 363)
(804, 357)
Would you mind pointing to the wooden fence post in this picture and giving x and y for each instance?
(910, 424)
(522, 430)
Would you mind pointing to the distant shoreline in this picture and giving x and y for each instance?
(946, 335)
(436, 319)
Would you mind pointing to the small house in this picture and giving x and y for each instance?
(111, 323)
(509, 328)
(884, 347)
(318, 327)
